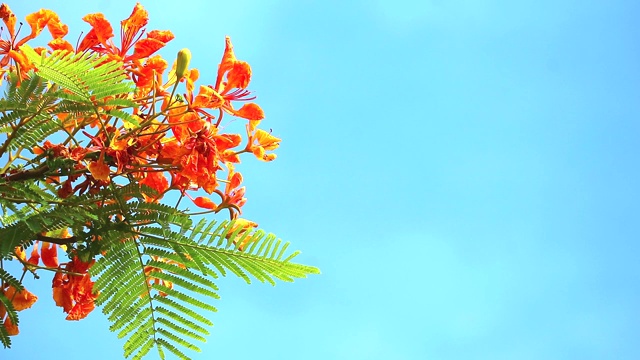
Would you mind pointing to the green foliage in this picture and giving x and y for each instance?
(187, 258)
(155, 270)
(86, 75)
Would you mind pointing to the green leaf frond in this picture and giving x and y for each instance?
(24, 112)
(126, 279)
(24, 231)
(86, 75)
(152, 282)
(9, 279)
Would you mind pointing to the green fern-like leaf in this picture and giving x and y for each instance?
(24, 231)
(87, 76)
(152, 277)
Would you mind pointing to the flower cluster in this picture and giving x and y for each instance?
(169, 142)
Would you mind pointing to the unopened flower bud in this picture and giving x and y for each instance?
(184, 56)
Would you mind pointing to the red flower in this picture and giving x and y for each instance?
(99, 38)
(74, 293)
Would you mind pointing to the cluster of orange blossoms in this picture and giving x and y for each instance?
(176, 142)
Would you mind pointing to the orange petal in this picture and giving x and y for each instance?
(227, 141)
(63, 299)
(161, 35)
(235, 180)
(21, 300)
(268, 141)
(157, 181)
(60, 44)
(9, 19)
(250, 111)
(239, 75)
(99, 170)
(258, 151)
(12, 330)
(35, 257)
(49, 254)
(269, 157)
(21, 60)
(37, 20)
(80, 310)
(190, 78)
(228, 59)
(145, 47)
(204, 203)
(56, 28)
(61, 293)
(137, 20)
(101, 28)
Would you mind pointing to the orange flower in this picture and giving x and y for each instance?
(21, 300)
(149, 73)
(241, 73)
(133, 24)
(99, 170)
(237, 75)
(100, 32)
(155, 180)
(49, 254)
(233, 197)
(99, 38)
(197, 150)
(74, 293)
(37, 21)
(261, 141)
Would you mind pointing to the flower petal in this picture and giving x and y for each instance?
(101, 28)
(99, 170)
(60, 44)
(49, 254)
(205, 203)
(250, 111)
(9, 19)
(12, 330)
(21, 300)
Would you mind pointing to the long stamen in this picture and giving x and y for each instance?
(238, 95)
(78, 41)
(17, 32)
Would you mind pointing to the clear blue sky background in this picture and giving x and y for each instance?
(465, 173)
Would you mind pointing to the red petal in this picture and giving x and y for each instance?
(49, 254)
(204, 203)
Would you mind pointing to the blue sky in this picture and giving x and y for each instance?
(464, 173)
